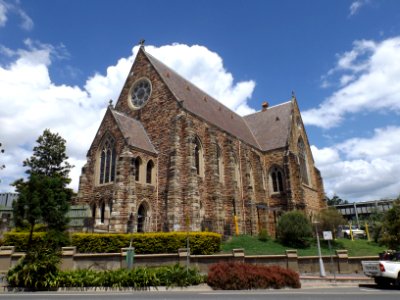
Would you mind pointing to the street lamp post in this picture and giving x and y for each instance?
(321, 263)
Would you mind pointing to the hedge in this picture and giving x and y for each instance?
(147, 243)
(242, 276)
(20, 239)
(144, 243)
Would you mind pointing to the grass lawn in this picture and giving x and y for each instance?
(253, 246)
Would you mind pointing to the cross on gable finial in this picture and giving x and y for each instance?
(293, 95)
(141, 43)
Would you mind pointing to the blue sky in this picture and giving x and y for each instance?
(61, 61)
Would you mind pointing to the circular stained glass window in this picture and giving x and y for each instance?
(140, 92)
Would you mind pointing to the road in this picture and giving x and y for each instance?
(331, 293)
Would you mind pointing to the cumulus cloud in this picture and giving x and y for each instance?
(369, 80)
(32, 102)
(362, 168)
(206, 70)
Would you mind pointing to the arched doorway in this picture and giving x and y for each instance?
(141, 218)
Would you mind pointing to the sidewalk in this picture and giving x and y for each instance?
(309, 280)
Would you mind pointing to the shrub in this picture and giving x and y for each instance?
(147, 243)
(37, 270)
(294, 230)
(138, 278)
(263, 235)
(241, 276)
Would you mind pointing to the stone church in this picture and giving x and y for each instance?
(169, 157)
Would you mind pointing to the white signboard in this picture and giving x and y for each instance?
(327, 235)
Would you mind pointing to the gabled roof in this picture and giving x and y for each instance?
(264, 130)
(203, 105)
(133, 132)
(271, 127)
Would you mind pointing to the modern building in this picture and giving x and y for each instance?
(169, 157)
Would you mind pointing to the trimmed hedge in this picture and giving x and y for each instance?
(147, 243)
(144, 243)
(20, 239)
(242, 276)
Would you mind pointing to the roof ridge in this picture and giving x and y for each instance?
(189, 82)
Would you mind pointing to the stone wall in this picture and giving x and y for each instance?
(342, 264)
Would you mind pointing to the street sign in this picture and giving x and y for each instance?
(327, 235)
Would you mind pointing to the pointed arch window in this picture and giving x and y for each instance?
(236, 173)
(276, 179)
(220, 165)
(251, 179)
(149, 172)
(102, 212)
(303, 161)
(137, 163)
(198, 157)
(107, 161)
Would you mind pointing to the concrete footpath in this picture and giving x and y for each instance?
(310, 280)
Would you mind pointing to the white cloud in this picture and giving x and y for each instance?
(3, 14)
(362, 168)
(356, 6)
(205, 69)
(370, 75)
(32, 102)
(7, 7)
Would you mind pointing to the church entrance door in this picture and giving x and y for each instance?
(141, 217)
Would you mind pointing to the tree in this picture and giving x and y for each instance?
(330, 219)
(44, 196)
(335, 200)
(294, 229)
(391, 227)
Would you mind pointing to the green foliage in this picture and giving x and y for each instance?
(391, 227)
(294, 229)
(44, 196)
(37, 270)
(263, 235)
(49, 157)
(330, 219)
(253, 246)
(147, 243)
(19, 240)
(241, 276)
(139, 278)
(335, 200)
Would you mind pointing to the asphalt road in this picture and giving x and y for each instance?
(328, 293)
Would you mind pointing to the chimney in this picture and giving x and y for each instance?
(265, 105)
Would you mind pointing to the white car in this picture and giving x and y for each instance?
(386, 271)
(355, 231)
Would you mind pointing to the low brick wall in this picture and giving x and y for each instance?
(340, 262)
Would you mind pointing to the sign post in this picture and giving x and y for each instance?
(328, 237)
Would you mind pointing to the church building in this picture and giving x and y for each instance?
(169, 157)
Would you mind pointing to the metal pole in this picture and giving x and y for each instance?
(321, 263)
(333, 267)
